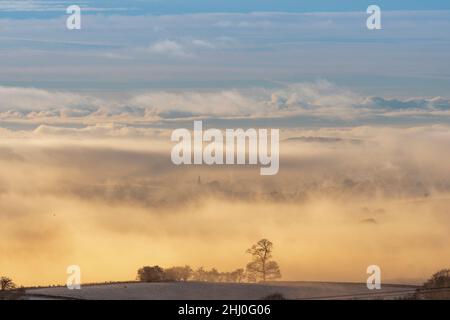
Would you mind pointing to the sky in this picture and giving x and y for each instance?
(131, 45)
(45, 8)
(285, 63)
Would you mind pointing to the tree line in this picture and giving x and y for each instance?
(186, 273)
(260, 268)
(435, 288)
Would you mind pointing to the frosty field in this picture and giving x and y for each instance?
(219, 291)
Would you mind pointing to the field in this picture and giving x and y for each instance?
(219, 291)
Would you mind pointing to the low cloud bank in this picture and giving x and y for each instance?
(343, 199)
(321, 102)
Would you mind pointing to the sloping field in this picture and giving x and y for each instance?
(220, 291)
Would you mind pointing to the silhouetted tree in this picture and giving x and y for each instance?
(213, 275)
(6, 284)
(158, 274)
(178, 273)
(200, 274)
(237, 275)
(151, 274)
(261, 267)
(185, 273)
(436, 288)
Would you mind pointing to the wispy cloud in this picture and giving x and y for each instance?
(409, 55)
(169, 48)
(54, 6)
(33, 5)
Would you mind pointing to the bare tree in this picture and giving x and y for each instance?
(6, 284)
(436, 288)
(185, 272)
(237, 275)
(200, 274)
(261, 267)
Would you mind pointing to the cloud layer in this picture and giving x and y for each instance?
(316, 102)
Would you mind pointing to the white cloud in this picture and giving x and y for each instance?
(203, 44)
(31, 5)
(169, 48)
(50, 6)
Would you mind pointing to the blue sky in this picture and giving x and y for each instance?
(51, 8)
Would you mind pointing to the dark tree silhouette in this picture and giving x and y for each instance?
(178, 273)
(237, 275)
(213, 275)
(6, 284)
(261, 267)
(436, 288)
(200, 274)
